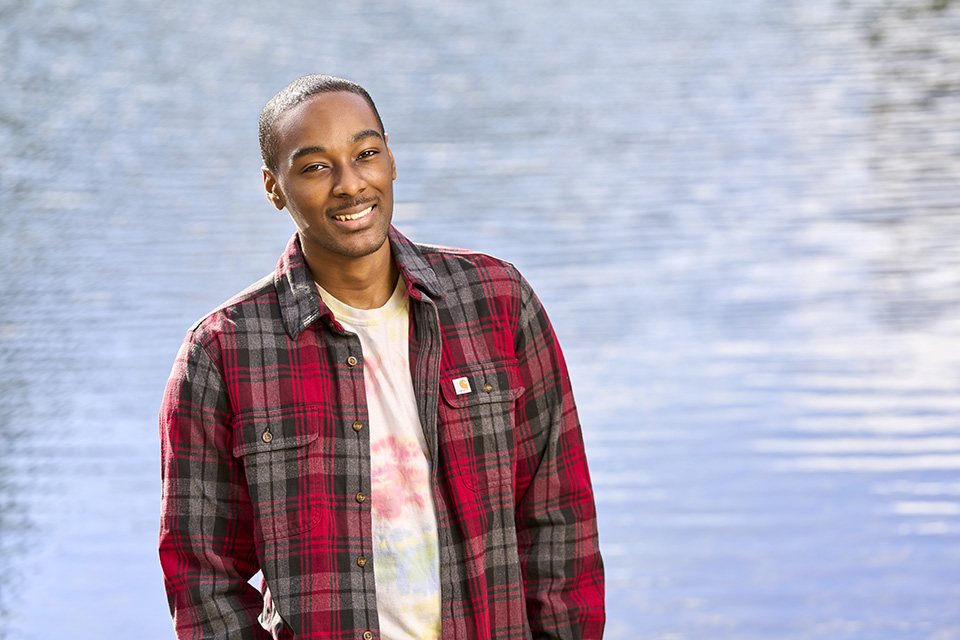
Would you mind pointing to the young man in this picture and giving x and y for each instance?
(386, 430)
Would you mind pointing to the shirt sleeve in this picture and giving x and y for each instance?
(556, 516)
(207, 551)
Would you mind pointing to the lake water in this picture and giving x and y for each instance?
(743, 218)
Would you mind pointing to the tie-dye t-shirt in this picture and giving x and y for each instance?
(405, 558)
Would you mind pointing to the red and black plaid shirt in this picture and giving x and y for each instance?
(265, 450)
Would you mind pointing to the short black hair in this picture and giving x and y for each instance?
(292, 95)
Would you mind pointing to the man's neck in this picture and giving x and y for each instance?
(362, 283)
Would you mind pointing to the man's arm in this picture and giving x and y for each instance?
(207, 550)
(556, 517)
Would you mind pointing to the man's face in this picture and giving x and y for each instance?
(335, 177)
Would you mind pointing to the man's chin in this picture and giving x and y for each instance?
(359, 248)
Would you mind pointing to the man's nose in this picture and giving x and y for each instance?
(349, 181)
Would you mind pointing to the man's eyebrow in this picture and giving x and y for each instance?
(357, 137)
(369, 133)
(305, 151)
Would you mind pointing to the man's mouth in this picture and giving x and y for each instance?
(343, 217)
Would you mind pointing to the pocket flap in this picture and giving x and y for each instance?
(491, 382)
(272, 430)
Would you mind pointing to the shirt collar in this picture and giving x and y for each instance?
(300, 304)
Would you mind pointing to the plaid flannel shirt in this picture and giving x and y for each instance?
(265, 448)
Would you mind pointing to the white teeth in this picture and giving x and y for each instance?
(353, 216)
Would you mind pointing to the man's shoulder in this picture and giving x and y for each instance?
(449, 262)
(474, 280)
(251, 302)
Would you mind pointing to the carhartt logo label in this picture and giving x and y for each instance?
(461, 386)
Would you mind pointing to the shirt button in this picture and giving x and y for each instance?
(361, 497)
(367, 635)
(267, 436)
(488, 387)
(352, 361)
(361, 561)
(357, 426)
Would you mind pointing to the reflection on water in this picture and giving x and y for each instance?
(914, 123)
(741, 216)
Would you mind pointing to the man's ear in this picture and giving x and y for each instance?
(272, 188)
(393, 163)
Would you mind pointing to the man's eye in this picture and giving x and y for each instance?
(313, 167)
(369, 153)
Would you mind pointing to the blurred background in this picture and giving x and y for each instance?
(742, 216)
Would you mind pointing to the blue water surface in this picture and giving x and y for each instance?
(741, 216)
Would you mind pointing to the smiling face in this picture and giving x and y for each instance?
(334, 176)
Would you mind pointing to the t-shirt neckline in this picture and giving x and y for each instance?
(344, 313)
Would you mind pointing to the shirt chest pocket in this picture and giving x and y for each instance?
(477, 418)
(282, 454)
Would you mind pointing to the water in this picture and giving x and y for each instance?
(742, 218)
